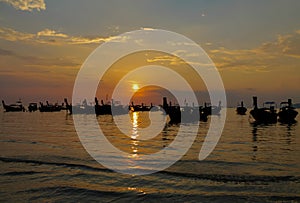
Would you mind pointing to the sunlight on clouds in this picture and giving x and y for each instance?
(94, 40)
(52, 37)
(26, 5)
(172, 60)
(13, 35)
(285, 51)
(50, 33)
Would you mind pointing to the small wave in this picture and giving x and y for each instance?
(70, 193)
(19, 173)
(234, 178)
(76, 193)
(81, 166)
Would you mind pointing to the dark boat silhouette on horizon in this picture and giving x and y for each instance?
(287, 112)
(212, 110)
(265, 115)
(142, 107)
(50, 107)
(186, 114)
(98, 109)
(82, 108)
(17, 107)
(32, 107)
(109, 109)
(240, 109)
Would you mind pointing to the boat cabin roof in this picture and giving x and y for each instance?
(269, 102)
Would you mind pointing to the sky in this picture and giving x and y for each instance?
(255, 45)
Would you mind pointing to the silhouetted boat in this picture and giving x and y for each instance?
(212, 110)
(50, 107)
(141, 107)
(17, 107)
(240, 109)
(83, 108)
(103, 109)
(287, 112)
(264, 115)
(184, 114)
(32, 107)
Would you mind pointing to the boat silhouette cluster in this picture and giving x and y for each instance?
(268, 114)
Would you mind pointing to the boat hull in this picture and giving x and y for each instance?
(287, 115)
(263, 116)
(241, 110)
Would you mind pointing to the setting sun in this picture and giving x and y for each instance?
(135, 87)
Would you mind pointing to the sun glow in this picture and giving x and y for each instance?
(135, 87)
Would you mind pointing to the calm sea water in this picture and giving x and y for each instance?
(42, 160)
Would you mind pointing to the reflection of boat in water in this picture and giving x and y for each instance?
(17, 107)
(240, 109)
(32, 107)
(50, 107)
(264, 115)
(287, 112)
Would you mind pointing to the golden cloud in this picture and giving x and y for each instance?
(50, 33)
(284, 50)
(26, 5)
(52, 37)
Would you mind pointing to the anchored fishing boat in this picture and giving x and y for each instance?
(142, 107)
(265, 115)
(82, 108)
(212, 110)
(287, 112)
(17, 107)
(240, 109)
(186, 114)
(32, 107)
(50, 107)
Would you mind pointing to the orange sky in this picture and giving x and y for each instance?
(254, 45)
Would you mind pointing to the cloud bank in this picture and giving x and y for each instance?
(51, 37)
(26, 5)
(282, 51)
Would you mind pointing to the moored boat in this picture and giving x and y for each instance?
(186, 114)
(32, 107)
(50, 107)
(82, 108)
(142, 107)
(240, 109)
(103, 109)
(265, 115)
(17, 107)
(212, 110)
(287, 112)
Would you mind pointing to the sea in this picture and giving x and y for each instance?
(43, 160)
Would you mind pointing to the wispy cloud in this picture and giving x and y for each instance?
(13, 35)
(166, 60)
(284, 50)
(50, 33)
(52, 37)
(26, 5)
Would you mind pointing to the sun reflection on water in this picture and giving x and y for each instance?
(135, 125)
(134, 135)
